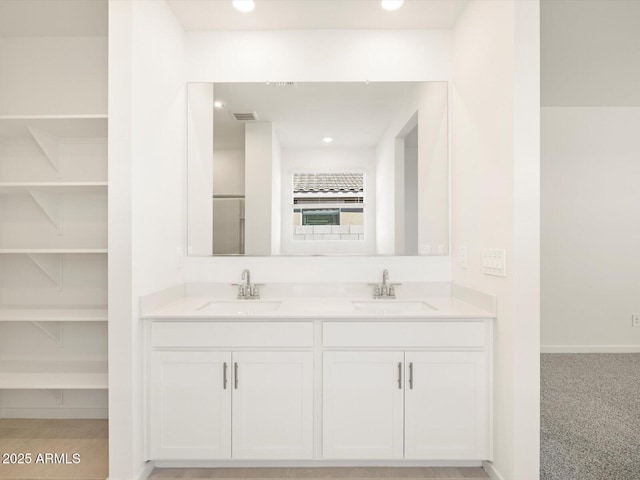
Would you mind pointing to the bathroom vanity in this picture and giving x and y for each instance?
(328, 378)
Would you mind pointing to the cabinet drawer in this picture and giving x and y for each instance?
(227, 334)
(404, 334)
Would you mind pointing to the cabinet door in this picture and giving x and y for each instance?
(190, 405)
(273, 405)
(363, 405)
(446, 407)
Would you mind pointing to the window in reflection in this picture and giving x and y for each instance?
(328, 206)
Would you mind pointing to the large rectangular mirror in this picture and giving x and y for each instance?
(341, 168)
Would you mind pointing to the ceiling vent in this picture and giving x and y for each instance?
(246, 117)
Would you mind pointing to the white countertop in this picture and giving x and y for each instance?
(310, 308)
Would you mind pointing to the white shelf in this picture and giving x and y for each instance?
(53, 314)
(57, 126)
(53, 187)
(54, 117)
(53, 375)
(51, 250)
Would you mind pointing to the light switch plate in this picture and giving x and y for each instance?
(494, 262)
(464, 257)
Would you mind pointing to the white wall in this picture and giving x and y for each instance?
(590, 174)
(289, 269)
(430, 102)
(590, 53)
(328, 159)
(200, 165)
(495, 201)
(276, 196)
(53, 75)
(411, 218)
(321, 55)
(146, 140)
(228, 172)
(591, 228)
(258, 149)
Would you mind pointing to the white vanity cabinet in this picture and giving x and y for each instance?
(363, 407)
(190, 405)
(272, 405)
(208, 402)
(413, 404)
(330, 390)
(445, 402)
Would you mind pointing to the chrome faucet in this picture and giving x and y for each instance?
(248, 290)
(384, 289)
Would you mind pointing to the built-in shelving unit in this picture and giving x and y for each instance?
(52, 250)
(8, 188)
(53, 314)
(53, 219)
(47, 375)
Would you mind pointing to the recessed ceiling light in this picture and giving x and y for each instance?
(244, 6)
(217, 104)
(391, 5)
(327, 139)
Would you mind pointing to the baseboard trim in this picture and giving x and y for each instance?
(590, 348)
(143, 475)
(491, 471)
(313, 463)
(146, 471)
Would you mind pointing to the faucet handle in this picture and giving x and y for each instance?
(253, 291)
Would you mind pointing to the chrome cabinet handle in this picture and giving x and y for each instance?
(411, 375)
(235, 375)
(400, 375)
(224, 375)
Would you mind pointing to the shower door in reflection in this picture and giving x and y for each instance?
(228, 225)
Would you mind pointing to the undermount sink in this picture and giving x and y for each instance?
(239, 307)
(390, 307)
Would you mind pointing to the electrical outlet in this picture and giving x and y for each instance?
(425, 249)
(635, 320)
(440, 249)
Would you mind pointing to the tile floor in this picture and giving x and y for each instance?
(333, 473)
(88, 438)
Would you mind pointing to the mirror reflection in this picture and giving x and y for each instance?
(318, 168)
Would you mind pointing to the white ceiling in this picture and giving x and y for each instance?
(198, 15)
(354, 114)
(43, 18)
